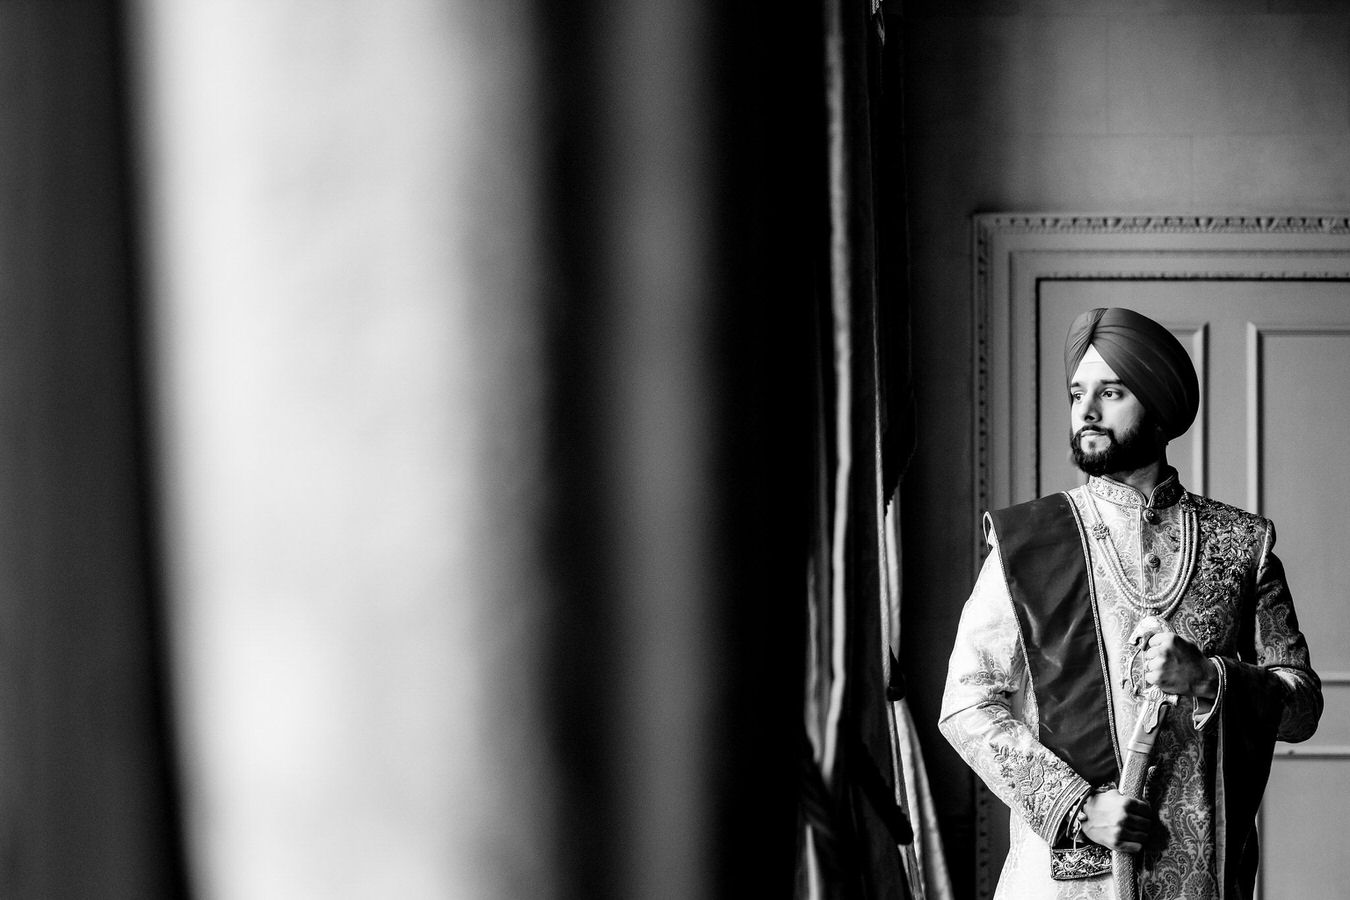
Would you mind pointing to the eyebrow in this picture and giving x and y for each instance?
(1112, 381)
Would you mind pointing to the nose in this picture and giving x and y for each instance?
(1088, 409)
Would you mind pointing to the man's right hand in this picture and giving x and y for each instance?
(1118, 822)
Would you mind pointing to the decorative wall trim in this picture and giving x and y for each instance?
(1164, 224)
(1256, 347)
(1199, 341)
(1255, 428)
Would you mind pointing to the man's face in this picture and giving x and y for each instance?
(1109, 428)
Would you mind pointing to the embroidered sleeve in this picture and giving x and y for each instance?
(986, 682)
(1280, 653)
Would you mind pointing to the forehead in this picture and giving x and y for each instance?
(1093, 368)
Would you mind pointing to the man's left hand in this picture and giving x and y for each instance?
(1178, 667)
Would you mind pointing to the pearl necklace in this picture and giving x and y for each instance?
(1159, 603)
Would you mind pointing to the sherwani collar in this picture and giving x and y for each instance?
(1166, 493)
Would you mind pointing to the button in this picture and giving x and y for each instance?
(1152, 561)
(1151, 516)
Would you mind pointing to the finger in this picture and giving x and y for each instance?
(1136, 827)
(1129, 834)
(1136, 808)
(1161, 651)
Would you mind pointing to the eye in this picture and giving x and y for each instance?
(1111, 393)
(1075, 396)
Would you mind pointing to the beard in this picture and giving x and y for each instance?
(1130, 450)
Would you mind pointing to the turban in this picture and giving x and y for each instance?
(1147, 357)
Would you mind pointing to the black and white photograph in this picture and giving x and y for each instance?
(823, 450)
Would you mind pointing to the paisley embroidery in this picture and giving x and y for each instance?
(1084, 861)
(1230, 544)
(1181, 862)
(1037, 787)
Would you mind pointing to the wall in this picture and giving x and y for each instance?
(1185, 106)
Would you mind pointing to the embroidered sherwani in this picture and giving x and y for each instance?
(1235, 607)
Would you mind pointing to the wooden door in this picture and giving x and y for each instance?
(1273, 436)
(1263, 305)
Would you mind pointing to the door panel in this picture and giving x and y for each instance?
(1273, 436)
(1261, 303)
(1308, 861)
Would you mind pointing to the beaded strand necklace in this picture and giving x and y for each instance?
(1160, 603)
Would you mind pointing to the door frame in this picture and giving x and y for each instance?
(1013, 254)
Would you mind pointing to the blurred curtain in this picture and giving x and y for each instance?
(424, 388)
(480, 352)
(865, 791)
(86, 782)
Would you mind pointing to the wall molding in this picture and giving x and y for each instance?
(1106, 223)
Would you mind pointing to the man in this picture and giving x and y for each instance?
(1092, 598)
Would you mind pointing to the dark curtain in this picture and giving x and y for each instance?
(857, 832)
(86, 780)
(764, 161)
(800, 264)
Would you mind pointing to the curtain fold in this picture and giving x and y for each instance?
(926, 863)
(87, 784)
(864, 788)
